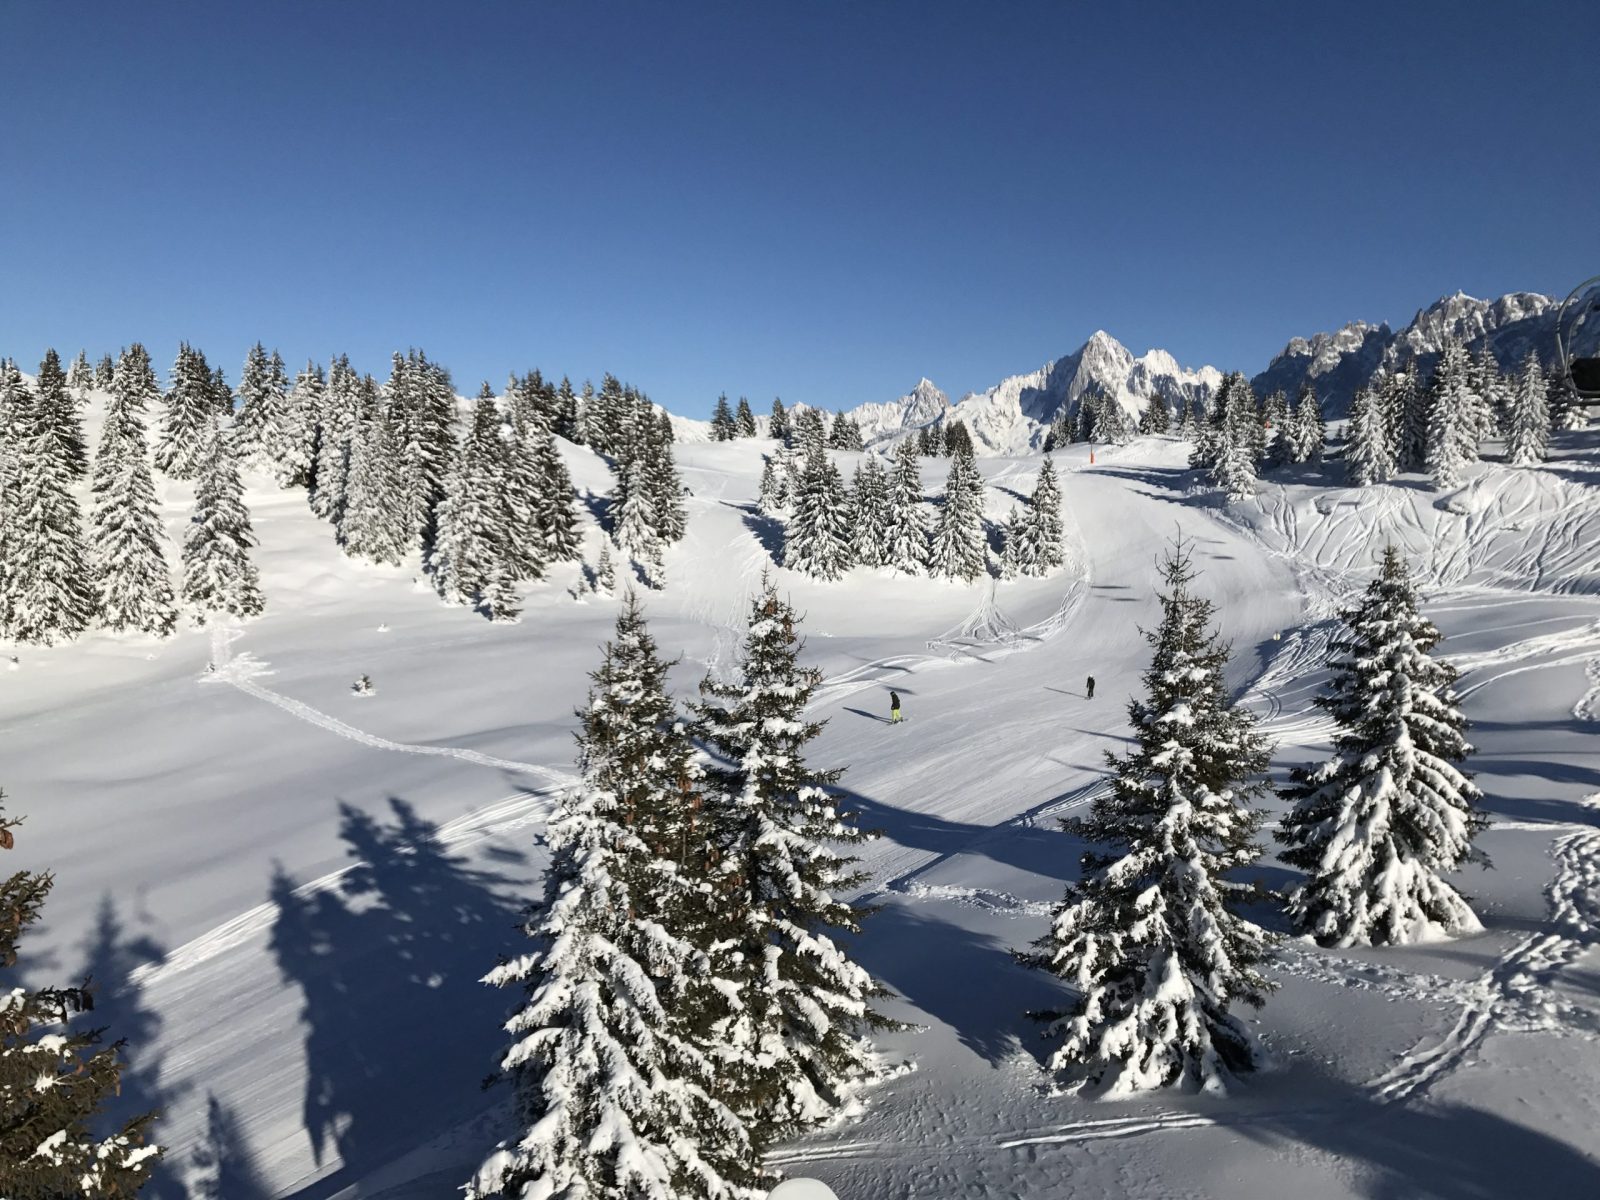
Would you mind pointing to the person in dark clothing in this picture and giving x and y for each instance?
(1091, 687)
(894, 708)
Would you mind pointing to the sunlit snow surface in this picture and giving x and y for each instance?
(287, 893)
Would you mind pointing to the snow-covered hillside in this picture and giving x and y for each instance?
(288, 893)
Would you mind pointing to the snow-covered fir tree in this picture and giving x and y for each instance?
(817, 539)
(1238, 443)
(103, 371)
(723, 426)
(1156, 417)
(745, 419)
(305, 408)
(473, 560)
(810, 433)
(1063, 430)
(80, 376)
(1151, 938)
(1111, 424)
(869, 514)
(1416, 401)
(59, 417)
(1567, 412)
(1528, 416)
(336, 428)
(373, 521)
(430, 442)
(930, 442)
(1378, 825)
(1210, 435)
(1311, 430)
(958, 440)
(1452, 425)
(1018, 552)
(1188, 423)
(1044, 520)
(218, 576)
(845, 433)
(552, 498)
(1490, 396)
(636, 519)
(960, 550)
(133, 584)
(905, 535)
(790, 1036)
(616, 1095)
(605, 570)
(661, 475)
(57, 1080)
(778, 427)
(772, 494)
(184, 429)
(1368, 456)
(221, 394)
(606, 416)
(265, 430)
(46, 595)
(565, 424)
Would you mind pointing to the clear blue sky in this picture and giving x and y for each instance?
(817, 200)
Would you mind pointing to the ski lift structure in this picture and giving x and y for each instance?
(1578, 341)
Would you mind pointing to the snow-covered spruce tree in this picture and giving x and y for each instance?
(80, 376)
(958, 440)
(930, 442)
(1452, 432)
(553, 500)
(789, 1038)
(1238, 449)
(1566, 413)
(305, 408)
(723, 426)
(816, 541)
(133, 585)
(810, 434)
(472, 557)
(185, 423)
(615, 1093)
(1416, 396)
(1528, 416)
(55, 1080)
(1044, 520)
(566, 418)
(1156, 418)
(1395, 388)
(221, 394)
(1368, 456)
(772, 494)
(605, 570)
(341, 403)
(778, 427)
(845, 433)
(102, 372)
(1490, 395)
(606, 416)
(1018, 551)
(960, 550)
(1151, 938)
(218, 576)
(905, 535)
(1311, 430)
(636, 520)
(745, 419)
(523, 416)
(58, 414)
(373, 521)
(266, 429)
(1378, 825)
(1210, 435)
(1188, 424)
(1111, 424)
(430, 448)
(661, 476)
(46, 595)
(869, 514)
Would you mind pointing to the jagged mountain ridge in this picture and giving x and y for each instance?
(1339, 364)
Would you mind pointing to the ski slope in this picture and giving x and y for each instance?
(287, 893)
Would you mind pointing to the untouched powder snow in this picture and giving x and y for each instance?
(287, 893)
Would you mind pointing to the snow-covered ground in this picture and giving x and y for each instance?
(287, 892)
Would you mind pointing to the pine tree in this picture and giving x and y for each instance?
(1312, 430)
(817, 539)
(341, 403)
(102, 373)
(1018, 554)
(1396, 400)
(1063, 429)
(1377, 825)
(959, 549)
(133, 584)
(616, 1095)
(845, 434)
(778, 427)
(772, 494)
(1489, 395)
(58, 413)
(869, 514)
(1188, 423)
(905, 536)
(1567, 412)
(56, 1080)
(218, 576)
(221, 394)
(930, 442)
(604, 416)
(1156, 417)
(1528, 416)
(1111, 424)
(666, 487)
(45, 591)
(723, 426)
(605, 571)
(1368, 456)
(790, 1039)
(1151, 938)
(473, 559)
(957, 440)
(1238, 445)
(810, 434)
(373, 519)
(431, 447)
(305, 406)
(1044, 520)
(636, 519)
(745, 419)
(1452, 436)
(191, 406)
(554, 501)
(80, 377)
(1416, 416)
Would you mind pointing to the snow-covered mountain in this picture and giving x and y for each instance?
(1339, 364)
(1013, 416)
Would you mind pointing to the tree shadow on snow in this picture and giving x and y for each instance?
(767, 530)
(224, 1166)
(398, 1029)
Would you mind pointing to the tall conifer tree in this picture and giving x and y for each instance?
(218, 576)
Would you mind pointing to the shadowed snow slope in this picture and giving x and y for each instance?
(307, 884)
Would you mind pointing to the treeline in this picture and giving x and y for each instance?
(1154, 939)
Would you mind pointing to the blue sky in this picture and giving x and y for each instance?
(822, 201)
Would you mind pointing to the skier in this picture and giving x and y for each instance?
(1091, 687)
(894, 708)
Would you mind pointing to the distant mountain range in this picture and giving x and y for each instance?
(1014, 415)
